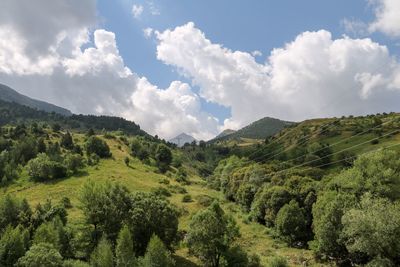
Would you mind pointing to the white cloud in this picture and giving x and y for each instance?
(148, 32)
(355, 27)
(166, 111)
(387, 17)
(137, 11)
(256, 53)
(95, 79)
(312, 76)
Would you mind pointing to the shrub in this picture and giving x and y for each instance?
(95, 145)
(187, 198)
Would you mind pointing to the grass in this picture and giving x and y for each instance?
(139, 177)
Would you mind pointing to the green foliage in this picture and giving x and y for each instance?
(124, 251)
(372, 228)
(210, 234)
(102, 256)
(105, 206)
(328, 212)
(40, 255)
(291, 224)
(43, 168)
(163, 158)
(74, 263)
(66, 141)
(151, 214)
(157, 255)
(12, 245)
(277, 262)
(187, 198)
(95, 145)
(267, 203)
(73, 162)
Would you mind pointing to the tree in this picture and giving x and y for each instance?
(40, 168)
(42, 254)
(66, 141)
(163, 158)
(106, 206)
(12, 245)
(327, 224)
(157, 255)
(211, 232)
(73, 162)
(95, 145)
(372, 228)
(291, 224)
(267, 202)
(9, 211)
(152, 214)
(124, 251)
(102, 256)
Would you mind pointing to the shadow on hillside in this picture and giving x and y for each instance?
(79, 174)
(180, 261)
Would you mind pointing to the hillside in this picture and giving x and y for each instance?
(10, 95)
(12, 113)
(269, 189)
(139, 176)
(259, 129)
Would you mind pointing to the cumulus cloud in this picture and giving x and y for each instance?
(256, 53)
(45, 24)
(91, 77)
(137, 11)
(387, 13)
(314, 75)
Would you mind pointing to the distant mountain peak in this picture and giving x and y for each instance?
(182, 139)
(8, 94)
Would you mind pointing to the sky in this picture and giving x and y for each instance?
(200, 67)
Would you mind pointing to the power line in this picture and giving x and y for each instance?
(345, 139)
(335, 153)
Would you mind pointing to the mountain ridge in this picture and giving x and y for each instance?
(9, 94)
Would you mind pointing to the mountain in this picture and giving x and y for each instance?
(10, 95)
(260, 129)
(225, 133)
(182, 139)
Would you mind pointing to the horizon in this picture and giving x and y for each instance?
(201, 68)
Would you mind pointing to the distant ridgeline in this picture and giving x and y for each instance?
(260, 129)
(10, 95)
(13, 113)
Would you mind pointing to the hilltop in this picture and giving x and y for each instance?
(259, 129)
(10, 95)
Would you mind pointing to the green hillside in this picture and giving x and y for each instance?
(283, 193)
(259, 129)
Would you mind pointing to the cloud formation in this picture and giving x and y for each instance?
(84, 72)
(387, 17)
(314, 75)
(137, 11)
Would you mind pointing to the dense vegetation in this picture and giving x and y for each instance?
(13, 113)
(319, 192)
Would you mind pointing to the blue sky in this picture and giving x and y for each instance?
(197, 73)
(237, 25)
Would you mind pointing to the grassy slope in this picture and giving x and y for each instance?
(139, 177)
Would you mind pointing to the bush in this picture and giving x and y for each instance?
(278, 262)
(187, 198)
(291, 224)
(95, 145)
